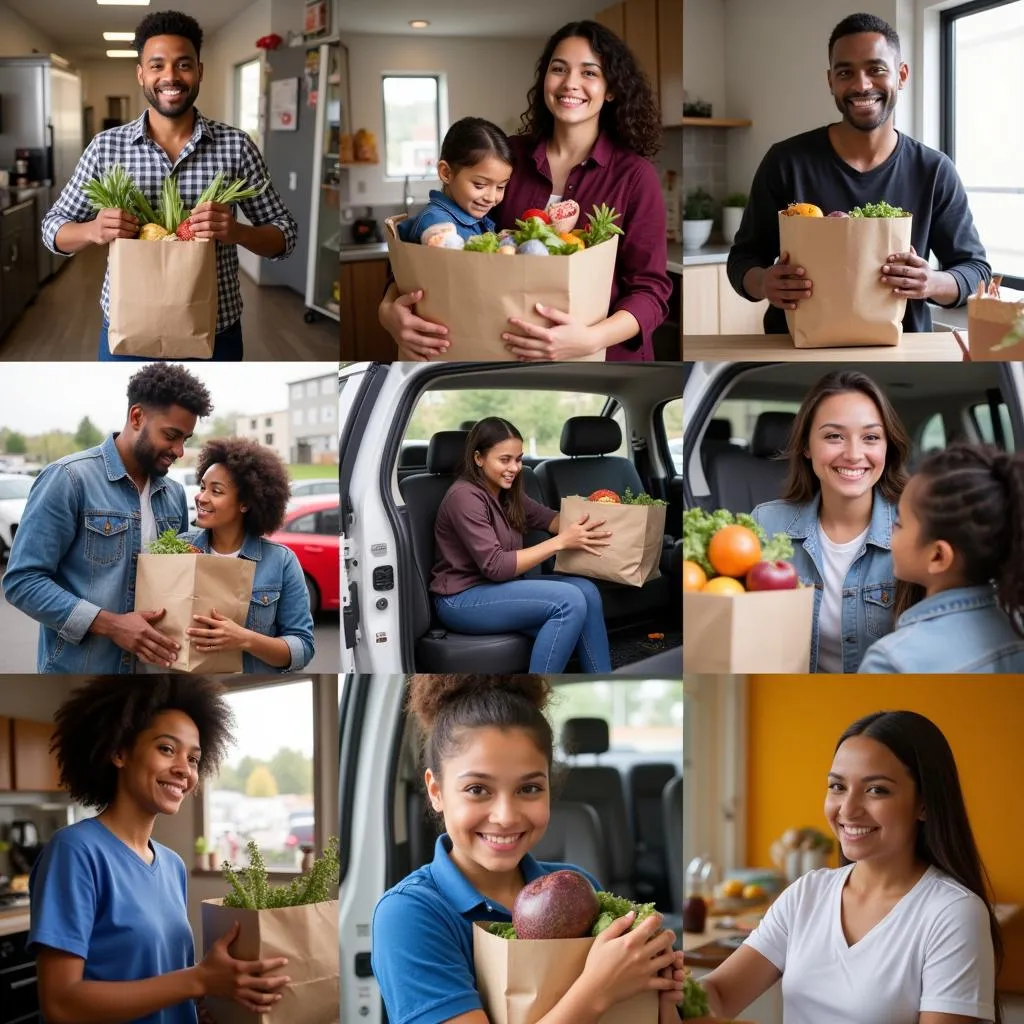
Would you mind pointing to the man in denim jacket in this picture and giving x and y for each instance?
(72, 564)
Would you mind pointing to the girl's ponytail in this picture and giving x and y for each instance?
(1009, 469)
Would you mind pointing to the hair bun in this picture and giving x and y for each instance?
(429, 694)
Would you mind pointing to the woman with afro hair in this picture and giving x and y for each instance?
(243, 494)
(109, 931)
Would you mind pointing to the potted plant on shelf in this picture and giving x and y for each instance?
(698, 218)
(732, 213)
(206, 858)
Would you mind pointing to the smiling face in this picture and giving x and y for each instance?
(865, 79)
(575, 88)
(477, 189)
(846, 445)
(501, 465)
(162, 766)
(218, 503)
(872, 804)
(169, 73)
(495, 800)
(160, 437)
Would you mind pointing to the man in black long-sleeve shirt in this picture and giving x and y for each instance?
(861, 159)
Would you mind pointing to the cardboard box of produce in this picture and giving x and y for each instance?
(163, 298)
(990, 322)
(755, 632)
(474, 293)
(307, 935)
(843, 257)
(187, 585)
(521, 981)
(634, 551)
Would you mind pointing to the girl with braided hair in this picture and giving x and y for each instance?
(488, 757)
(960, 540)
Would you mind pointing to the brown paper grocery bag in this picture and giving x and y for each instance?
(306, 935)
(163, 298)
(474, 293)
(843, 257)
(634, 551)
(990, 322)
(521, 980)
(763, 631)
(187, 585)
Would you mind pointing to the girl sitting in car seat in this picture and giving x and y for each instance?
(488, 754)
(960, 539)
(478, 538)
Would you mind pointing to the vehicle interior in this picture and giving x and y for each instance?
(742, 420)
(625, 445)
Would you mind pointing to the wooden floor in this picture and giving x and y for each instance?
(64, 321)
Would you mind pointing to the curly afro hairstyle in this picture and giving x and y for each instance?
(260, 476)
(108, 713)
(632, 119)
(168, 23)
(447, 705)
(161, 385)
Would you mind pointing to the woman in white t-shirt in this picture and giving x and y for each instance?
(847, 454)
(903, 932)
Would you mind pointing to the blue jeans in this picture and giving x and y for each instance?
(562, 613)
(227, 348)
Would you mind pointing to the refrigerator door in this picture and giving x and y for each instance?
(24, 116)
(65, 130)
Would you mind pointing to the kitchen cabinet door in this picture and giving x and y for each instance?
(642, 36)
(736, 315)
(372, 341)
(700, 301)
(613, 18)
(6, 766)
(35, 768)
(670, 60)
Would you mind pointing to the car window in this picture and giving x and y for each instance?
(538, 415)
(981, 415)
(742, 414)
(672, 427)
(10, 489)
(933, 434)
(330, 522)
(302, 524)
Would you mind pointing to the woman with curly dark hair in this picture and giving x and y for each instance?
(243, 494)
(110, 931)
(591, 126)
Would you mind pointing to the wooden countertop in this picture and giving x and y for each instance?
(938, 346)
(14, 921)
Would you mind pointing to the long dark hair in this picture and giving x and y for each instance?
(471, 139)
(488, 432)
(632, 119)
(972, 497)
(944, 838)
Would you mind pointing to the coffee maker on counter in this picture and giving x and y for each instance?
(29, 167)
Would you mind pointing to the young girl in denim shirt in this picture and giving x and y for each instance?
(960, 539)
(846, 452)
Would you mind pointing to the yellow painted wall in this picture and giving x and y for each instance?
(794, 723)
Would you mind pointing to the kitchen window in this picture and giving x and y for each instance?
(981, 45)
(265, 788)
(247, 98)
(412, 125)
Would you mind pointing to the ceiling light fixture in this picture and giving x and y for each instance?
(419, 24)
(123, 3)
(118, 37)
(122, 53)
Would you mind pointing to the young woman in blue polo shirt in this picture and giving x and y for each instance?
(488, 750)
(110, 931)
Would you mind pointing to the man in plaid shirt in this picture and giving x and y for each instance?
(173, 137)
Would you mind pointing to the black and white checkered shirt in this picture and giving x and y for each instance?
(214, 147)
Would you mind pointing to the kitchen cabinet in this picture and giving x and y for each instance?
(19, 278)
(670, 60)
(613, 18)
(35, 768)
(6, 775)
(362, 287)
(712, 306)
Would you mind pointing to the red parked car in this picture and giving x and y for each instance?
(311, 528)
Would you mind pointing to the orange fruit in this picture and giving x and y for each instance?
(694, 577)
(734, 551)
(723, 585)
(803, 210)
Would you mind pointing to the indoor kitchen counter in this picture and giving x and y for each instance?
(705, 254)
(366, 251)
(939, 347)
(13, 921)
(675, 257)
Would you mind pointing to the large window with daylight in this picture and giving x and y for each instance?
(247, 98)
(412, 125)
(983, 123)
(264, 790)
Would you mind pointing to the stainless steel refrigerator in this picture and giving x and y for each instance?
(41, 114)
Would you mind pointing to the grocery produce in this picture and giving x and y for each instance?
(734, 550)
(533, 247)
(629, 498)
(219, 191)
(732, 889)
(559, 905)
(541, 215)
(563, 215)
(802, 210)
(487, 242)
(774, 575)
(723, 586)
(839, 213)
(695, 1000)
(116, 190)
(694, 577)
(605, 495)
(879, 209)
(602, 226)
(251, 889)
(168, 543)
(754, 892)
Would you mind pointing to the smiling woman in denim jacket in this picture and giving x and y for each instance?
(960, 539)
(243, 493)
(847, 451)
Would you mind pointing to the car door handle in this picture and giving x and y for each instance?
(314, 549)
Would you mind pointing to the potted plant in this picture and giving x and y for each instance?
(732, 213)
(698, 218)
(206, 858)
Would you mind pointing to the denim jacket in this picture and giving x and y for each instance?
(280, 601)
(959, 630)
(870, 587)
(75, 554)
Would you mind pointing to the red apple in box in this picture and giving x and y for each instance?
(772, 576)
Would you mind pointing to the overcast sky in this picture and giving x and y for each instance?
(36, 397)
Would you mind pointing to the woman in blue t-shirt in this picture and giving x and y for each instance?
(488, 752)
(110, 930)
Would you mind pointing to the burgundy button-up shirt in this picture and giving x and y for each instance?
(630, 184)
